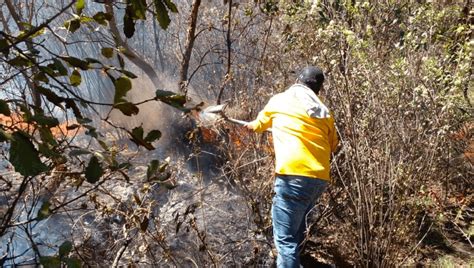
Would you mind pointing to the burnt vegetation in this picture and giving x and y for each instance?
(104, 161)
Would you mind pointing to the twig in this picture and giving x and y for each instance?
(417, 245)
(464, 234)
(120, 252)
(191, 260)
(39, 28)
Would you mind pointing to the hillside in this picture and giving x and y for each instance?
(105, 160)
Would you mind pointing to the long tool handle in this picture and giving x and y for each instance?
(242, 123)
(236, 121)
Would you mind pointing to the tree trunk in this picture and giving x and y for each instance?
(158, 48)
(228, 75)
(31, 83)
(129, 52)
(191, 37)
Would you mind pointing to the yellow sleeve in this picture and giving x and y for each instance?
(333, 138)
(263, 120)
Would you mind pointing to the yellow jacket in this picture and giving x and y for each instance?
(303, 144)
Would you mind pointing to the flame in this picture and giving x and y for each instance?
(209, 135)
(238, 138)
(64, 129)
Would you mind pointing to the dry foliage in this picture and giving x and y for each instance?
(398, 79)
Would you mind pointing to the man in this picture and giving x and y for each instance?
(304, 137)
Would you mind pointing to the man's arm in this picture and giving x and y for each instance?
(263, 120)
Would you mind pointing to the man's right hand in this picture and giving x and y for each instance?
(250, 125)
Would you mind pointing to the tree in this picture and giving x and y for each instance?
(398, 79)
(43, 119)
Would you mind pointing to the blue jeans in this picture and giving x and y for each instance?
(294, 198)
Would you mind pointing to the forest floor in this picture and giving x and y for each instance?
(207, 220)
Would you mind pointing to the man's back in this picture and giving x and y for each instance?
(302, 144)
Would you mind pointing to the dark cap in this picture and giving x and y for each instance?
(313, 77)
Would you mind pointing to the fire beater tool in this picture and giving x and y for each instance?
(210, 115)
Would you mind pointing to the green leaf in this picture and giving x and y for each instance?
(24, 157)
(47, 136)
(3, 44)
(58, 65)
(84, 120)
(75, 78)
(50, 95)
(94, 170)
(171, 6)
(65, 248)
(153, 135)
(45, 120)
(107, 52)
(152, 168)
(48, 70)
(71, 104)
(41, 76)
(50, 262)
(171, 98)
(80, 4)
(161, 177)
(28, 28)
(44, 211)
(128, 22)
(46, 150)
(137, 138)
(164, 93)
(73, 263)
(4, 108)
(92, 60)
(162, 14)
(137, 133)
(125, 165)
(75, 62)
(92, 132)
(4, 136)
(103, 145)
(20, 61)
(26, 112)
(127, 108)
(139, 9)
(73, 24)
(34, 51)
(122, 86)
(86, 19)
(102, 18)
(4, 47)
(72, 127)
